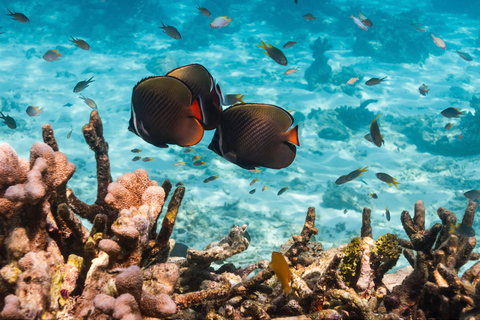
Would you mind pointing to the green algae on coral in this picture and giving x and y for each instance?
(351, 260)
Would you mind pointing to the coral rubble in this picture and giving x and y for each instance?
(52, 267)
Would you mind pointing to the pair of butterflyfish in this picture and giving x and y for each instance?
(178, 107)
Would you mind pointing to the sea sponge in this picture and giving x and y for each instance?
(17, 244)
(157, 306)
(130, 281)
(161, 278)
(128, 190)
(12, 309)
(13, 169)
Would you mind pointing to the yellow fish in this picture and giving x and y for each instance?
(264, 188)
(253, 181)
(282, 271)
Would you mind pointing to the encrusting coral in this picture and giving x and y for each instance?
(52, 267)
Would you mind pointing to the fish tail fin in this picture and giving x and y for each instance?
(90, 80)
(263, 45)
(162, 24)
(386, 208)
(10, 12)
(228, 19)
(452, 228)
(39, 110)
(364, 169)
(383, 79)
(395, 182)
(240, 98)
(293, 136)
(73, 39)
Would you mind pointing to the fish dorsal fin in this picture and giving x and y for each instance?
(281, 116)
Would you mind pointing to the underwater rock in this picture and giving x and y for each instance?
(395, 42)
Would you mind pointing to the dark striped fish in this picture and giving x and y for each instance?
(163, 112)
(82, 85)
(204, 90)
(82, 44)
(375, 135)
(255, 135)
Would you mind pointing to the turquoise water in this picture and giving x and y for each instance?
(431, 163)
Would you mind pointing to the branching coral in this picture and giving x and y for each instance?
(51, 267)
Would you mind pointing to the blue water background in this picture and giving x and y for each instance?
(430, 162)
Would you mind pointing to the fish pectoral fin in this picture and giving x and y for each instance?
(142, 131)
(231, 156)
(293, 136)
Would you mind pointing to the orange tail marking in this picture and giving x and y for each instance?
(196, 112)
(293, 136)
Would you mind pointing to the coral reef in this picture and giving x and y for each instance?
(319, 71)
(51, 267)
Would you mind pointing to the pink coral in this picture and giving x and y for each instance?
(12, 309)
(13, 169)
(128, 190)
(130, 281)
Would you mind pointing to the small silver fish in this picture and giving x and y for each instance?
(309, 17)
(465, 56)
(290, 44)
(89, 102)
(171, 31)
(82, 44)
(212, 178)
(68, 105)
(204, 11)
(423, 90)
(359, 23)
(136, 158)
(419, 29)
(451, 113)
(232, 99)
(282, 190)
(9, 121)
(462, 230)
(375, 135)
(276, 54)
(374, 81)
(20, 17)
(82, 85)
(52, 55)
(70, 133)
(187, 150)
(291, 71)
(472, 195)
(387, 214)
(33, 111)
(220, 22)
(439, 42)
